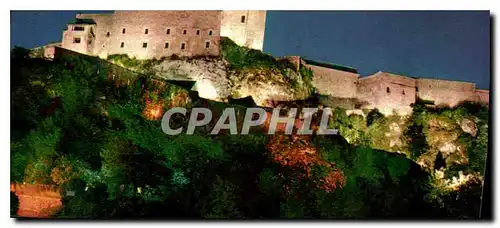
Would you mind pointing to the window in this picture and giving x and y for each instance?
(210, 32)
(166, 45)
(78, 28)
(403, 92)
(197, 32)
(77, 40)
(388, 90)
(168, 31)
(123, 31)
(146, 31)
(107, 34)
(183, 46)
(122, 45)
(89, 42)
(207, 44)
(242, 19)
(144, 45)
(185, 31)
(416, 89)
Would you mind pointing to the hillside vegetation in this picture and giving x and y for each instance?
(77, 126)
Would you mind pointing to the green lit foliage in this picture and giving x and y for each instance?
(70, 117)
(352, 127)
(373, 116)
(478, 150)
(415, 132)
(221, 201)
(134, 64)
(378, 183)
(241, 58)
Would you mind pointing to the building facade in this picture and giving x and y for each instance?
(156, 34)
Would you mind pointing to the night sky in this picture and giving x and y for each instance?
(433, 44)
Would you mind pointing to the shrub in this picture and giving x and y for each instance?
(241, 58)
(373, 116)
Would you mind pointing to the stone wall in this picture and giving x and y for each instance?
(244, 27)
(334, 82)
(155, 34)
(482, 96)
(145, 34)
(387, 92)
(444, 92)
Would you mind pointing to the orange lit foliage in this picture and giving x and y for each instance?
(154, 105)
(297, 152)
(153, 110)
(156, 102)
(36, 200)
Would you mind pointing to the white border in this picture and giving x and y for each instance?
(218, 4)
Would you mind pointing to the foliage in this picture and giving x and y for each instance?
(352, 127)
(75, 127)
(478, 150)
(373, 116)
(139, 65)
(415, 132)
(241, 58)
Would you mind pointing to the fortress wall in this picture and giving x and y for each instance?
(157, 23)
(401, 80)
(334, 82)
(445, 92)
(104, 23)
(202, 28)
(482, 96)
(247, 32)
(387, 92)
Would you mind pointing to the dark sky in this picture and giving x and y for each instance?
(434, 44)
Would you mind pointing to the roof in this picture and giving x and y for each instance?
(331, 66)
(82, 21)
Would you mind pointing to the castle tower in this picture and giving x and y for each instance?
(80, 35)
(244, 27)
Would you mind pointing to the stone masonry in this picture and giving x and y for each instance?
(155, 34)
(386, 91)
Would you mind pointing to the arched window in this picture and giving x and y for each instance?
(403, 92)
(388, 90)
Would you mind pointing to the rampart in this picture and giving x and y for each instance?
(444, 92)
(386, 91)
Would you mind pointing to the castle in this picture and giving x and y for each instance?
(155, 34)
